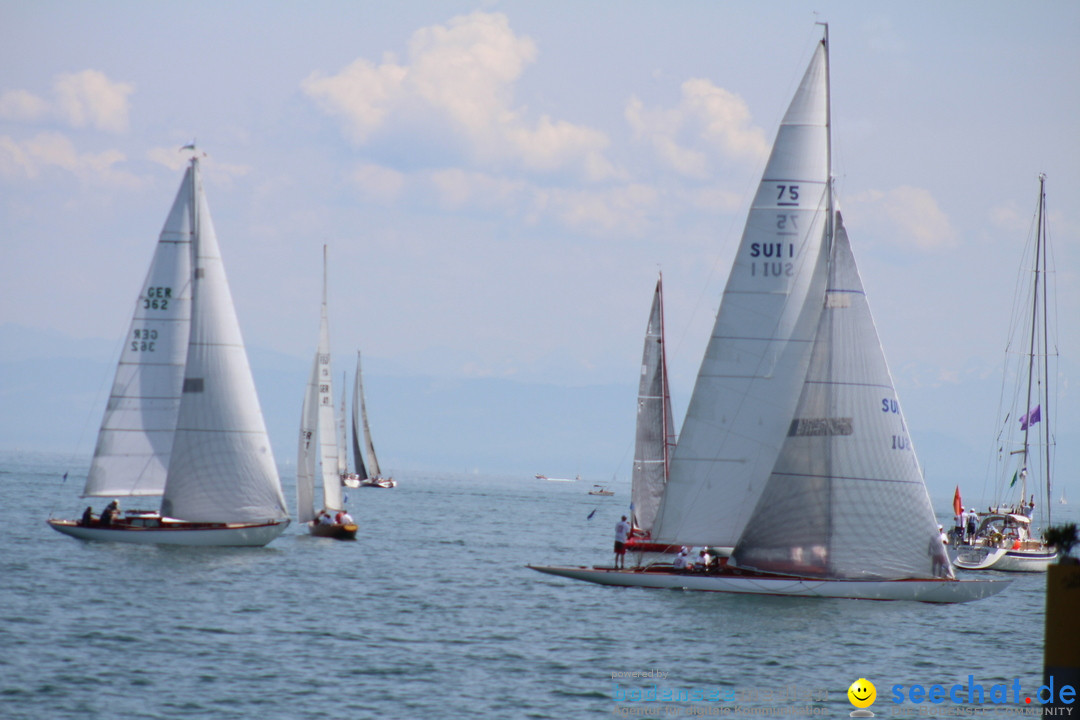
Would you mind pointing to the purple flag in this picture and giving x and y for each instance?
(1033, 416)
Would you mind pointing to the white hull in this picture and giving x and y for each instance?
(1004, 560)
(178, 533)
(380, 483)
(936, 591)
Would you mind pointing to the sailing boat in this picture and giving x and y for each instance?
(655, 433)
(373, 478)
(319, 437)
(794, 438)
(183, 419)
(1004, 538)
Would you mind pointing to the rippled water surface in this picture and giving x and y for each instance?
(432, 613)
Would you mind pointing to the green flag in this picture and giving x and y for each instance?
(1015, 475)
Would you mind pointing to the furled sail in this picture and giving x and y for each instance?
(756, 359)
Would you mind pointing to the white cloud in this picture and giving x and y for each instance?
(377, 183)
(83, 99)
(461, 76)
(90, 98)
(22, 106)
(362, 94)
(623, 210)
(460, 188)
(31, 158)
(913, 212)
(708, 120)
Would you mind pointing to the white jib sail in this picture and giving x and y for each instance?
(222, 466)
(846, 458)
(136, 436)
(756, 359)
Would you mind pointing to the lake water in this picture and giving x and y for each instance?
(432, 613)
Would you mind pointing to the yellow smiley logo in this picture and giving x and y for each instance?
(862, 693)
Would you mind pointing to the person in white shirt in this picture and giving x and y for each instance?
(679, 563)
(344, 518)
(622, 532)
(325, 519)
(703, 560)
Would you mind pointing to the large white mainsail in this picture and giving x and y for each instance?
(846, 455)
(136, 436)
(328, 443)
(655, 435)
(756, 359)
(222, 467)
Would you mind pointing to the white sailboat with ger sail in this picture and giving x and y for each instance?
(319, 452)
(654, 433)
(370, 474)
(794, 438)
(183, 419)
(1004, 539)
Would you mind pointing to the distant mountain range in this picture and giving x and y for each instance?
(53, 391)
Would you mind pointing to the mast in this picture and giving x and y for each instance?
(1040, 240)
(829, 221)
(1031, 342)
(829, 247)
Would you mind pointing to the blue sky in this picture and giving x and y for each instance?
(498, 182)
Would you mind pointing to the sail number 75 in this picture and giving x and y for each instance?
(787, 195)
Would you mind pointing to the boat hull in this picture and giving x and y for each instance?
(1005, 560)
(380, 483)
(933, 591)
(174, 532)
(335, 531)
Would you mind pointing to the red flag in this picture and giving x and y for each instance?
(957, 506)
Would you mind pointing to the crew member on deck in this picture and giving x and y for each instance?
(87, 517)
(111, 512)
(622, 532)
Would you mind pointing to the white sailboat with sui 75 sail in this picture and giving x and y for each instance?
(794, 439)
(183, 419)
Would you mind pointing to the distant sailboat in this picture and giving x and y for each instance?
(373, 477)
(655, 433)
(319, 438)
(794, 439)
(183, 419)
(1004, 539)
